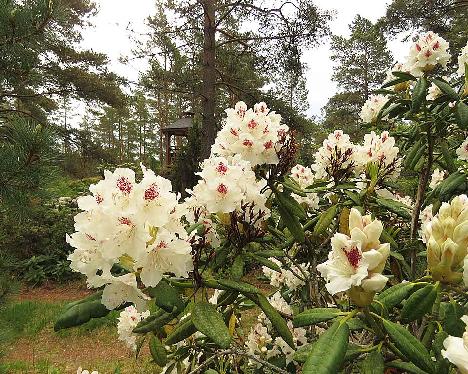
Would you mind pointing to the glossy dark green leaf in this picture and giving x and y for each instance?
(209, 322)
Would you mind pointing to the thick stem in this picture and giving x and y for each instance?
(423, 180)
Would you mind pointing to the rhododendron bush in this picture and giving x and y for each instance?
(362, 276)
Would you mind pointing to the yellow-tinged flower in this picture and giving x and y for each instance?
(447, 243)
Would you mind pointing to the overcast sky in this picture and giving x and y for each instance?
(111, 35)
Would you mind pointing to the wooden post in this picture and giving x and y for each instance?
(168, 148)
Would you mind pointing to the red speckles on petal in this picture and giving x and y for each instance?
(268, 144)
(222, 189)
(125, 221)
(436, 45)
(89, 237)
(221, 168)
(252, 124)
(428, 53)
(234, 132)
(124, 185)
(247, 143)
(152, 192)
(161, 244)
(418, 47)
(99, 199)
(354, 256)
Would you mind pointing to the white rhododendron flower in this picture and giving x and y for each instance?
(433, 93)
(285, 276)
(462, 60)
(426, 218)
(304, 177)
(255, 134)
(447, 240)
(127, 321)
(299, 338)
(456, 349)
(358, 259)
(372, 107)
(258, 339)
(226, 184)
(380, 150)
(81, 371)
(335, 158)
(462, 151)
(437, 177)
(429, 51)
(132, 224)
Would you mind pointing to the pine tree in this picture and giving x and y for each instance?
(362, 61)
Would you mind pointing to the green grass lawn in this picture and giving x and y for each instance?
(28, 343)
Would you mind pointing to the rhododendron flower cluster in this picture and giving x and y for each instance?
(456, 349)
(447, 240)
(335, 158)
(436, 178)
(429, 51)
(133, 225)
(371, 108)
(356, 260)
(226, 184)
(462, 151)
(304, 177)
(425, 217)
(256, 135)
(260, 341)
(127, 321)
(462, 60)
(380, 150)
(289, 277)
(433, 93)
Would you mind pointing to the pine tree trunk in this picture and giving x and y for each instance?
(208, 93)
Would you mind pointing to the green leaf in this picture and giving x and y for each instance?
(325, 220)
(238, 286)
(209, 322)
(182, 331)
(328, 352)
(414, 154)
(406, 367)
(154, 322)
(313, 316)
(442, 364)
(265, 262)
(404, 75)
(289, 203)
(419, 93)
(450, 184)
(409, 346)
(393, 296)
(292, 223)
(275, 318)
(81, 313)
(451, 318)
(394, 206)
(166, 297)
(270, 253)
(373, 363)
(93, 297)
(385, 237)
(158, 352)
(237, 268)
(446, 89)
(462, 115)
(419, 303)
(448, 158)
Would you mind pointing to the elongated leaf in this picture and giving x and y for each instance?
(325, 220)
(406, 366)
(237, 268)
(292, 223)
(182, 331)
(328, 352)
(404, 75)
(393, 296)
(289, 203)
(419, 93)
(153, 324)
(275, 318)
(238, 286)
(394, 206)
(209, 322)
(451, 184)
(419, 303)
(407, 344)
(313, 316)
(158, 352)
(373, 363)
(442, 364)
(80, 314)
(167, 297)
(265, 262)
(446, 89)
(93, 297)
(452, 313)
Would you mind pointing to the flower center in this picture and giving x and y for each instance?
(354, 256)
(222, 189)
(247, 143)
(268, 144)
(252, 124)
(99, 199)
(124, 185)
(221, 168)
(125, 221)
(152, 192)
